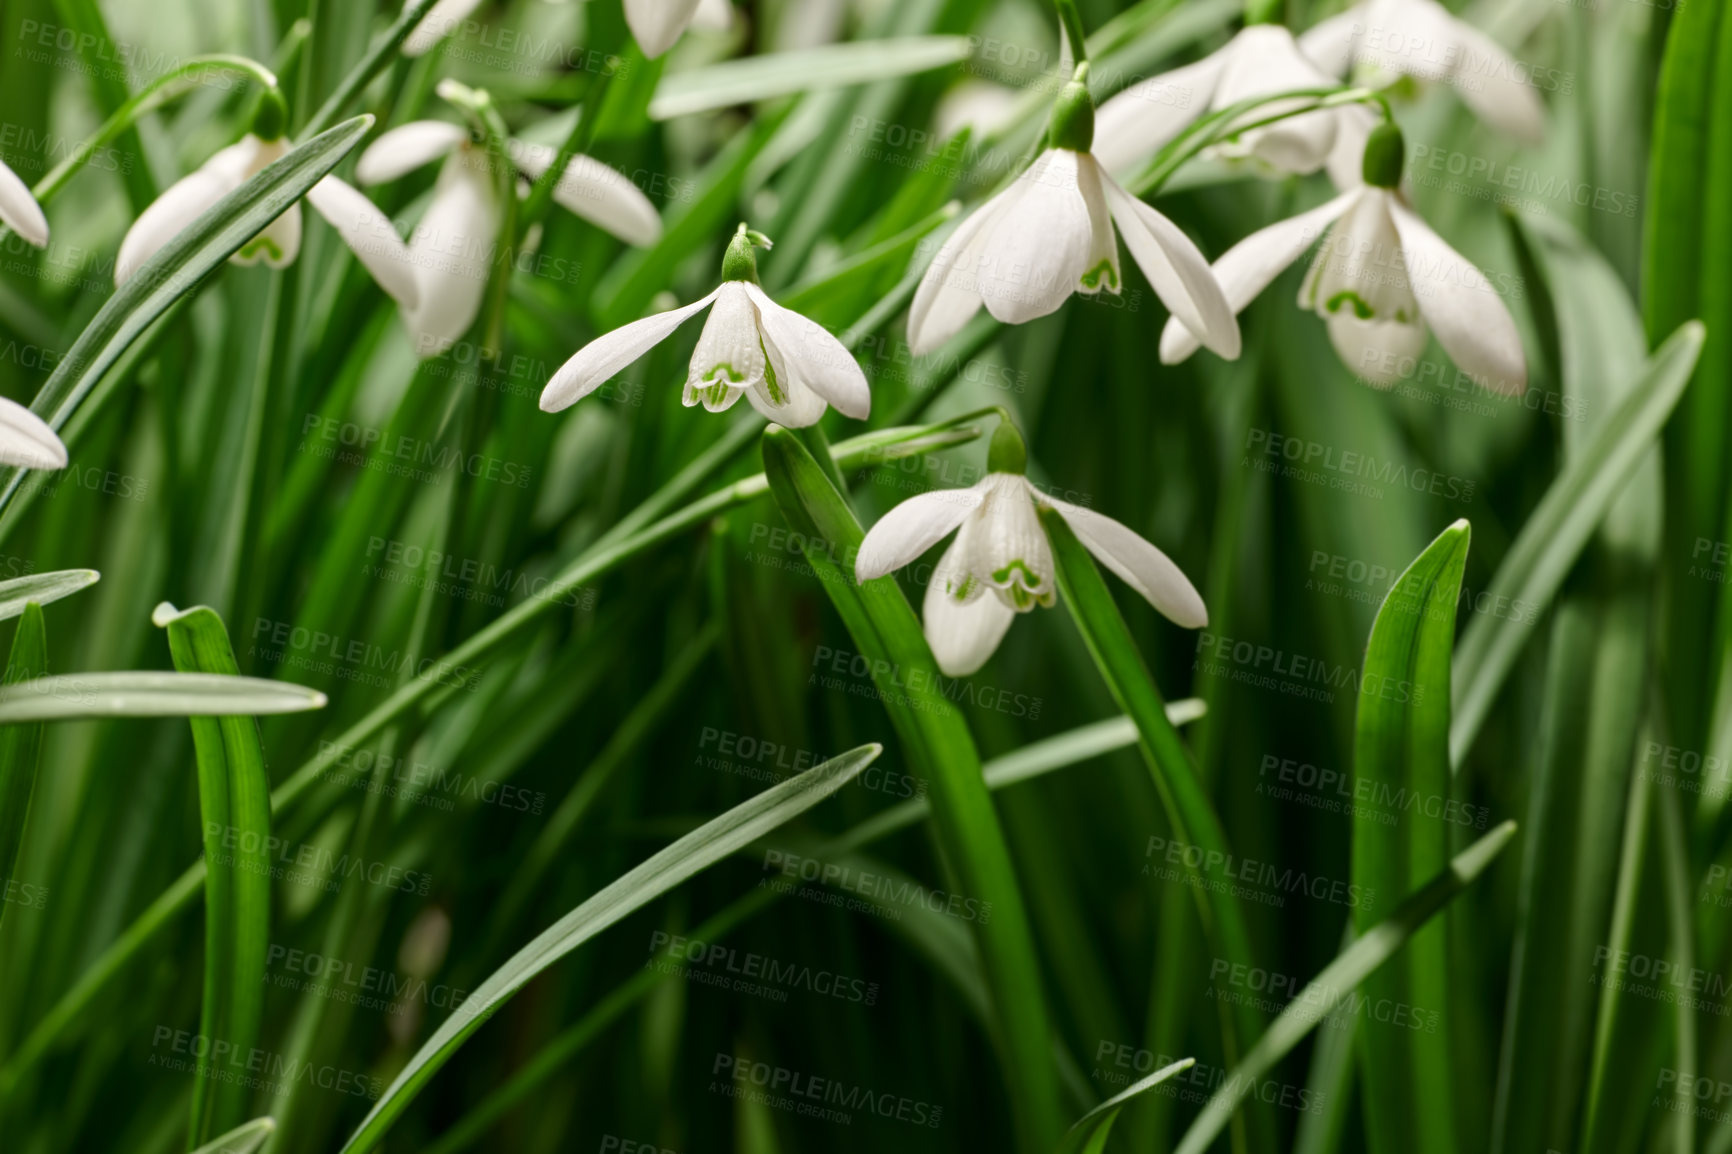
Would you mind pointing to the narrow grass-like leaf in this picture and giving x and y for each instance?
(150, 694)
(242, 1139)
(234, 797)
(1338, 983)
(178, 268)
(1189, 810)
(42, 588)
(1401, 749)
(1090, 1134)
(754, 78)
(691, 854)
(941, 749)
(1559, 528)
(20, 745)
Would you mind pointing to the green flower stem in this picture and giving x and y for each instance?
(1189, 810)
(149, 98)
(1073, 29)
(369, 66)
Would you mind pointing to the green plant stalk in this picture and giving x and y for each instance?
(234, 804)
(1189, 810)
(382, 53)
(20, 745)
(1071, 21)
(938, 744)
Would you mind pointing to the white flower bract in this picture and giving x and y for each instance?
(19, 210)
(1001, 563)
(26, 441)
(786, 366)
(1380, 277)
(1050, 234)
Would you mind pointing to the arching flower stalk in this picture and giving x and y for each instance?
(786, 366)
(1380, 279)
(1052, 233)
(1001, 562)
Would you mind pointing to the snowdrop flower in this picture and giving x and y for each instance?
(1380, 277)
(656, 24)
(1051, 234)
(787, 367)
(26, 441)
(452, 249)
(1001, 562)
(1420, 38)
(366, 230)
(443, 19)
(1262, 60)
(19, 210)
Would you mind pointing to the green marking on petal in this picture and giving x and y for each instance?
(1102, 275)
(262, 244)
(723, 371)
(777, 396)
(1361, 308)
(1030, 579)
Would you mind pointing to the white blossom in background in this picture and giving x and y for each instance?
(1051, 234)
(1001, 562)
(451, 249)
(366, 230)
(26, 441)
(1263, 60)
(443, 19)
(1381, 277)
(786, 366)
(657, 24)
(19, 210)
(1380, 39)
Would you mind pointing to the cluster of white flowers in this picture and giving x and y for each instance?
(1382, 280)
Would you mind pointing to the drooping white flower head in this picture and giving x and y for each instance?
(1380, 278)
(26, 440)
(1051, 233)
(1262, 60)
(1421, 39)
(657, 24)
(442, 20)
(19, 210)
(451, 250)
(366, 230)
(1001, 562)
(786, 366)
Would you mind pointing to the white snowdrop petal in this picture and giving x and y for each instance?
(1138, 122)
(1464, 310)
(949, 292)
(595, 364)
(19, 210)
(1490, 82)
(277, 244)
(656, 24)
(1007, 548)
(1103, 260)
(962, 631)
(1329, 43)
(1376, 348)
(452, 252)
(1250, 266)
(440, 22)
(599, 194)
(1138, 563)
(714, 15)
(1177, 271)
(1346, 163)
(181, 203)
(729, 357)
(1264, 60)
(370, 235)
(815, 358)
(906, 532)
(407, 147)
(26, 441)
(1038, 247)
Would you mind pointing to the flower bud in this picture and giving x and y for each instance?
(1007, 453)
(1072, 124)
(1385, 152)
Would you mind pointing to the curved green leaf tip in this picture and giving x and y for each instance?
(1089, 1135)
